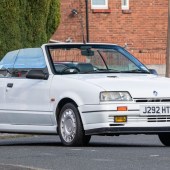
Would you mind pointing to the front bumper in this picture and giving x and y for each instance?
(99, 119)
(128, 130)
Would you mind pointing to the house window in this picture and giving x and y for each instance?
(99, 4)
(125, 4)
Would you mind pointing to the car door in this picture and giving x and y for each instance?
(28, 100)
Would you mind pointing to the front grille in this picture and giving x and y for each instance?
(158, 118)
(147, 100)
(150, 119)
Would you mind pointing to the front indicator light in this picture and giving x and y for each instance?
(120, 119)
(122, 108)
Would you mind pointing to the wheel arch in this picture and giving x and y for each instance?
(61, 103)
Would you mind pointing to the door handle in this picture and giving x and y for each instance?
(10, 85)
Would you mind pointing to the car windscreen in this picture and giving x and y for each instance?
(94, 59)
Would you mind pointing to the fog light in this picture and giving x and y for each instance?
(120, 119)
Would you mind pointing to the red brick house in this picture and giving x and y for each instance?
(139, 24)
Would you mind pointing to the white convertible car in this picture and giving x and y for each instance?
(78, 90)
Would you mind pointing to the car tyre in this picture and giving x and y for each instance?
(70, 128)
(86, 140)
(165, 138)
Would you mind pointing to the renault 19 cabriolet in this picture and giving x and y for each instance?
(77, 90)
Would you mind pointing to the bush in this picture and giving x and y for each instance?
(27, 23)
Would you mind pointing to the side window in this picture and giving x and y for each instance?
(99, 4)
(28, 59)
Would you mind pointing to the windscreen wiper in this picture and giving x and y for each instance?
(136, 71)
(107, 71)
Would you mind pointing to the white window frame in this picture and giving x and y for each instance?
(104, 6)
(125, 7)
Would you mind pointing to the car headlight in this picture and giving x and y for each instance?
(115, 96)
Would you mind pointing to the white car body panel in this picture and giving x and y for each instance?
(124, 82)
(28, 101)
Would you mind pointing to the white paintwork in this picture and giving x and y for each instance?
(27, 106)
(139, 85)
(27, 99)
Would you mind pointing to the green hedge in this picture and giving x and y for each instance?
(27, 23)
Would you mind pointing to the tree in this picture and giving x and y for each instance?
(10, 37)
(27, 23)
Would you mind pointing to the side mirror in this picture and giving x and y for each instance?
(37, 74)
(153, 71)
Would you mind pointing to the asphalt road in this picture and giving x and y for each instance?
(104, 153)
